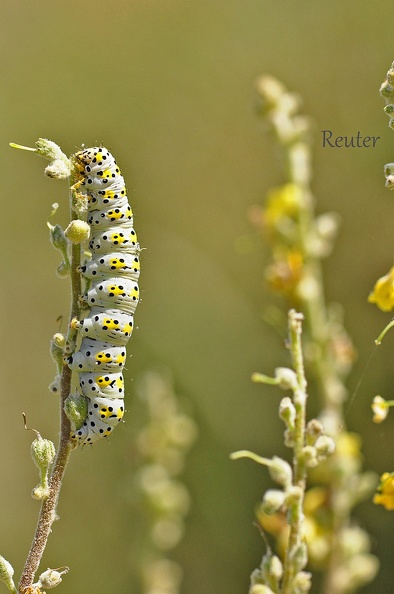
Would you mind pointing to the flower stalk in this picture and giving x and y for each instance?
(59, 168)
(299, 400)
(299, 240)
(310, 447)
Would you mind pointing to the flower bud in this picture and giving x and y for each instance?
(314, 429)
(287, 378)
(272, 501)
(386, 90)
(270, 89)
(77, 231)
(276, 569)
(271, 568)
(58, 239)
(59, 166)
(390, 76)
(389, 110)
(287, 412)
(57, 345)
(302, 582)
(325, 446)
(309, 456)
(49, 149)
(57, 170)
(299, 557)
(389, 182)
(76, 409)
(280, 471)
(51, 578)
(389, 169)
(6, 573)
(59, 340)
(43, 452)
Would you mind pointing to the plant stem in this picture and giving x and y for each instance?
(300, 397)
(48, 514)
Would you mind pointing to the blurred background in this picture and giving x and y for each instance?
(167, 86)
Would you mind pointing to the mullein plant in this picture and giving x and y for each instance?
(159, 499)
(327, 536)
(383, 296)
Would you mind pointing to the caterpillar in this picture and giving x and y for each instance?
(111, 274)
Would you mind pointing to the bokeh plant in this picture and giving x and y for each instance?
(158, 499)
(332, 542)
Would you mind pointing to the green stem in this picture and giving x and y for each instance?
(48, 508)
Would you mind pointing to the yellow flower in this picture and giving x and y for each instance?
(283, 202)
(380, 408)
(383, 292)
(348, 444)
(385, 491)
(286, 272)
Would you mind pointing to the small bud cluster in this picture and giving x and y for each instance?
(387, 92)
(59, 164)
(51, 578)
(164, 501)
(267, 578)
(318, 446)
(43, 454)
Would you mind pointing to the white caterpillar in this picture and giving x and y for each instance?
(112, 297)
